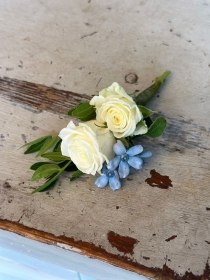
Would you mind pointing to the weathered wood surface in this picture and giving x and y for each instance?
(151, 230)
(40, 97)
(81, 47)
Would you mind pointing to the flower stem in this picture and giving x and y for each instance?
(145, 96)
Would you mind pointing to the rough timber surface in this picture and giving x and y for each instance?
(147, 229)
(80, 47)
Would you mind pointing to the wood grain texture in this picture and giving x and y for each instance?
(39, 96)
(82, 47)
(170, 226)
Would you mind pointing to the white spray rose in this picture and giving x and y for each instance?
(141, 128)
(118, 110)
(87, 145)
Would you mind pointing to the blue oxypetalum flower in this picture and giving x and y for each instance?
(124, 159)
(108, 176)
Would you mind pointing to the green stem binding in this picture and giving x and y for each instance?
(145, 96)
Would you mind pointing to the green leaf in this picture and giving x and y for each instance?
(84, 111)
(49, 182)
(36, 147)
(89, 117)
(148, 121)
(56, 156)
(48, 145)
(145, 96)
(157, 128)
(44, 171)
(145, 111)
(36, 165)
(57, 147)
(36, 141)
(49, 186)
(71, 167)
(75, 175)
(71, 111)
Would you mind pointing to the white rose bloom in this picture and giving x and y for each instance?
(87, 145)
(141, 128)
(118, 110)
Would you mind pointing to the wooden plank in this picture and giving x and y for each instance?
(39, 96)
(159, 232)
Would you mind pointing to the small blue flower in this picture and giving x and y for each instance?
(108, 176)
(124, 159)
(146, 154)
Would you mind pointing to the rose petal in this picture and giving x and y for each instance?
(114, 183)
(64, 133)
(113, 164)
(135, 150)
(119, 149)
(64, 149)
(141, 128)
(101, 181)
(146, 154)
(135, 162)
(124, 169)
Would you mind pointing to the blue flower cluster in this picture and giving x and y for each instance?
(119, 166)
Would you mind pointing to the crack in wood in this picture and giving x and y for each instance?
(171, 238)
(91, 34)
(25, 211)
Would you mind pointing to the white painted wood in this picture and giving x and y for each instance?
(83, 46)
(81, 210)
(76, 43)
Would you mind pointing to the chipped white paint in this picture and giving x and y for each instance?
(74, 44)
(83, 46)
(67, 247)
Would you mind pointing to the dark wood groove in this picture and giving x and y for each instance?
(39, 96)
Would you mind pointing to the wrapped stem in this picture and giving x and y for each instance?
(145, 96)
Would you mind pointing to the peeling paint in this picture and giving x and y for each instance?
(67, 247)
(123, 244)
(92, 250)
(158, 180)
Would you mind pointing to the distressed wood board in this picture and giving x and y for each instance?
(154, 231)
(81, 47)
